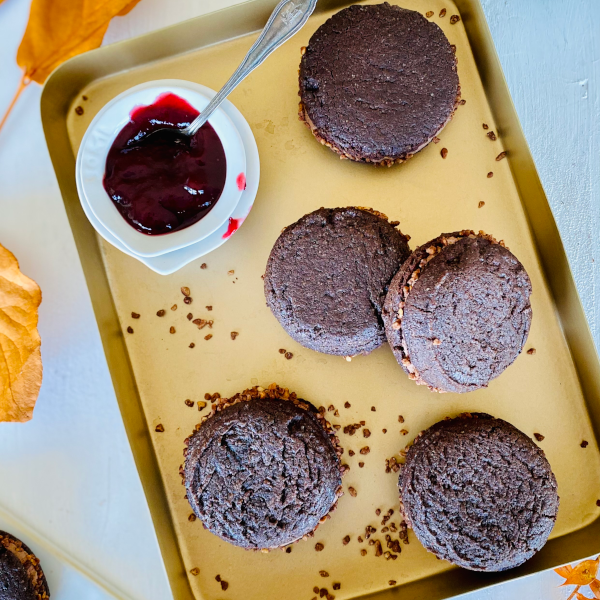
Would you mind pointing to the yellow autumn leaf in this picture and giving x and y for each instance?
(564, 571)
(60, 29)
(595, 587)
(20, 357)
(583, 574)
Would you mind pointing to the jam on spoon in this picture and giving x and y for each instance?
(164, 184)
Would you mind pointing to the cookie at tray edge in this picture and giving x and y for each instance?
(21, 575)
(461, 469)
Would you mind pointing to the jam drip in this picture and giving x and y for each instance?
(160, 185)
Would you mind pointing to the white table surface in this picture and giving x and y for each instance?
(68, 475)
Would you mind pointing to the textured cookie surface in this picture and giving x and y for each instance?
(261, 473)
(327, 277)
(479, 493)
(378, 82)
(21, 577)
(467, 314)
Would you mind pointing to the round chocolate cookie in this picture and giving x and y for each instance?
(263, 470)
(478, 493)
(21, 577)
(457, 313)
(377, 83)
(327, 277)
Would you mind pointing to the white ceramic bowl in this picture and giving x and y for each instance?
(99, 137)
(170, 262)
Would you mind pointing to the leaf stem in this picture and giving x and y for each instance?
(25, 81)
(574, 592)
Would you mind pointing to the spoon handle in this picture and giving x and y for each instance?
(287, 19)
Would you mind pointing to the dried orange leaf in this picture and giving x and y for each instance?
(20, 357)
(595, 587)
(60, 29)
(581, 596)
(564, 571)
(583, 574)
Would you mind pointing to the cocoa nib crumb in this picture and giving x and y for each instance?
(234, 334)
(288, 550)
(363, 552)
(189, 403)
(443, 12)
(501, 155)
(319, 546)
(160, 428)
(207, 337)
(130, 329)
(481, 204)
(584, 444)
(209, 307)
(454, 19)
(400, 419)
(378, 548)
(373, 409)
(366, 433)
(203, 266)
(174, 307)
(539, 437)
(192, 345)
(316, 590)
(135, 315)
(531, 351)
(378, 511)
(192, 518)
(201, 404)
(323, 573)
(444, 152)
(490, 174)
(185, 291)
(352, 492)
(463, 102)
(195, 571)
(232, 272)
(79, 110)
(218, 578)
(436, 139)
(384, 430)
(394, 223)
(289, 355)
(392, 582)
(403, 431)
(429, 14)
(352, 428)
(597, 502)
(337, 586)
(351, 452)
(391, 464)
(361, 464)
(346, 541)
(347, 405)
(365, 450)
(172, 329)
(485, 126)
(190, 316)
(282, 350)
(224, 585)
(161, 313)
(492, 136)
(187, 300)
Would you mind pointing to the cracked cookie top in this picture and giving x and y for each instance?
(479, 493)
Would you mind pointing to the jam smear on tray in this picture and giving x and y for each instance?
(163, 186)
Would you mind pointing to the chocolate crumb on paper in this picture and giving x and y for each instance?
(336, 586)
(443, 12)
(192, 345)
(485, 126)
(352, 492)
(161, 313)
(323, 573)
(79, 110)
(189, 316)
(429, 14)
(492, 136)
(584, 444)
(172, 329)
(192, 518)
(289, 355)
(160, 428)
(209, 308)
(454, 19)
(531, 351)
(185, 291)
(195, 571)
(234, 334)
(319, 546)
(480, 205)
(174, 307)
(347, 405)
(189, 402)
(490, 174)
(188, 300)
(135, 315)
(539, 437)
(501, 155)
(346, 540)
(444, 152)
(203, 266)
(130, 329)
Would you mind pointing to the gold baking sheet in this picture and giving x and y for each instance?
(554, 392)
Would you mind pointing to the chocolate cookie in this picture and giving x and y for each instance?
(21, 576)
(457, 313)
(377, 83)
(263, 470)
(327, 277)
(478, 493)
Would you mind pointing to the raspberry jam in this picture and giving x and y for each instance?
(160, 186)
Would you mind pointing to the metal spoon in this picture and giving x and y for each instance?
(286, 20)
